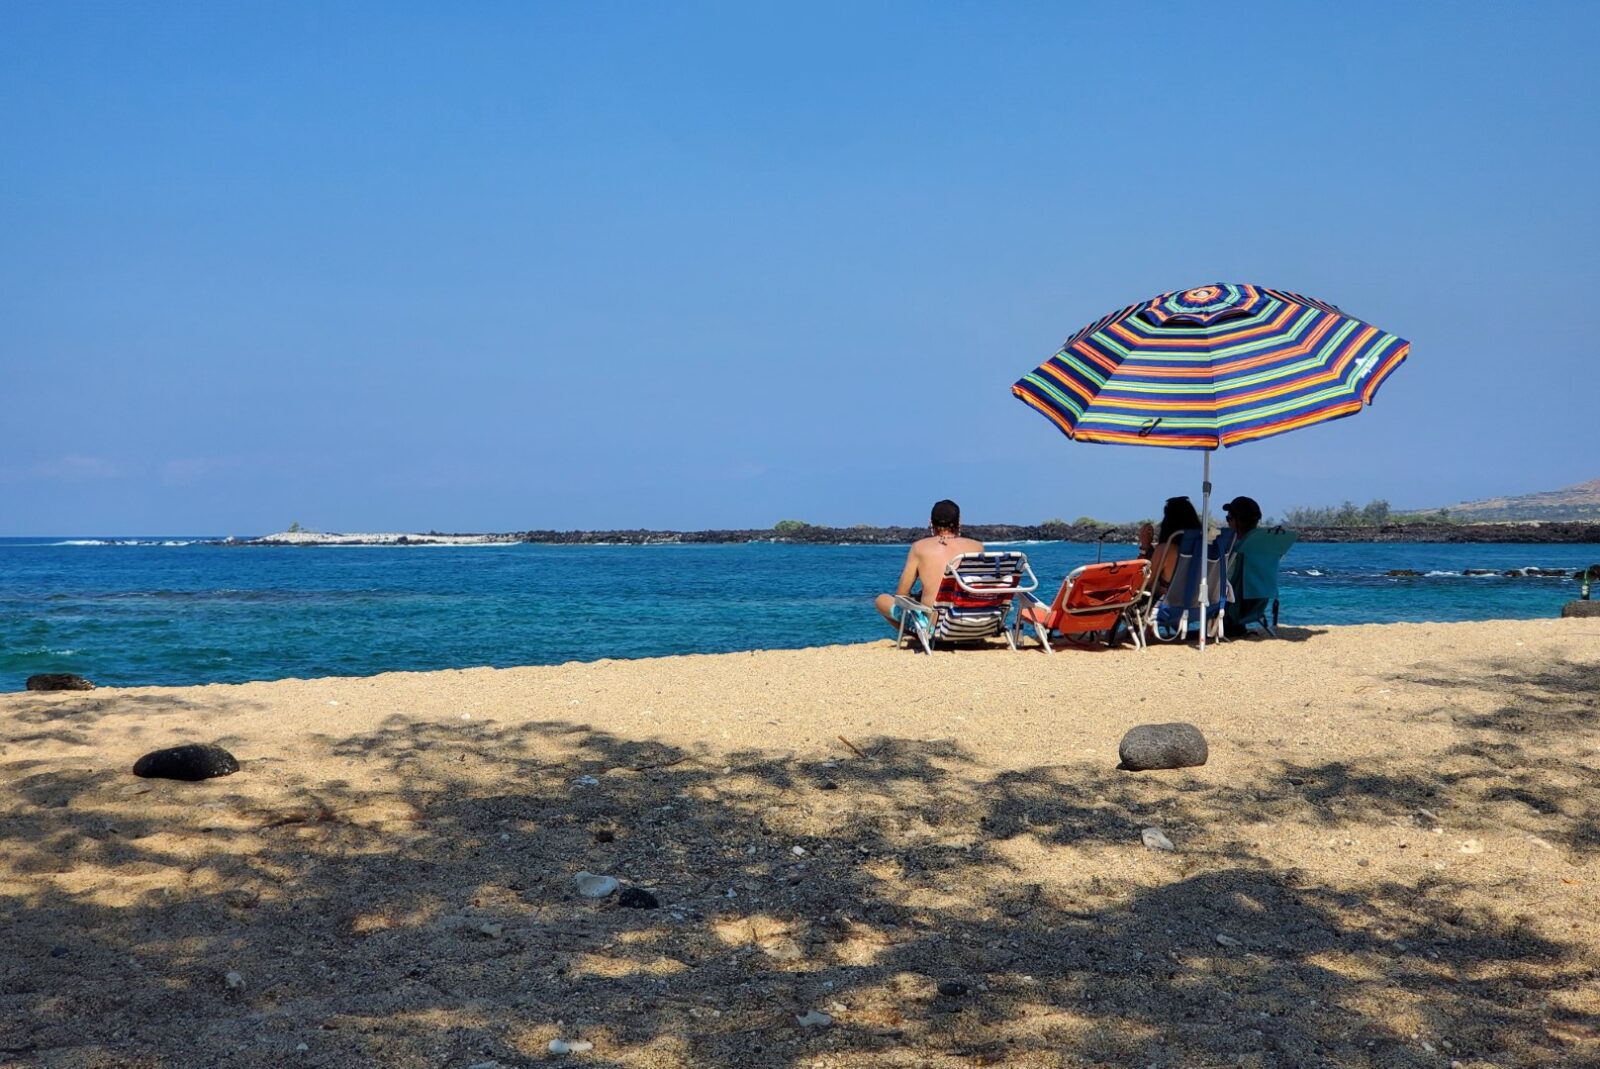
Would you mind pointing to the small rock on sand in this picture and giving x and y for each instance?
(191, 762)
(1153, 746)
(1227, 941)
(1155, 840)
(569, 1046)
(58, 681)
(233, 980)
(814, 1019)
(638, 898)
(591, 885)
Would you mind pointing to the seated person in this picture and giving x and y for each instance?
(1177, 516)
(925, 563)
(1244, 516)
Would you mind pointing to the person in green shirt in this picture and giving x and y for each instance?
(1244, 516)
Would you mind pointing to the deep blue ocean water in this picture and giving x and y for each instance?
(160, 611)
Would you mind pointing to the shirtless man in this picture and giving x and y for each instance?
(927, 559)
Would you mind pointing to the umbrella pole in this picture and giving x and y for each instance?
(1205, 554)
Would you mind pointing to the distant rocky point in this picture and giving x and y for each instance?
(325, 538)
(1578, 503)
(1531, 533)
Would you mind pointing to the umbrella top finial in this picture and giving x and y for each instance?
(1202, 305)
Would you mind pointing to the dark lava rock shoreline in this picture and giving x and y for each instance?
(1525, 533)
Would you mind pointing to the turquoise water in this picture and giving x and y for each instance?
(160, 611)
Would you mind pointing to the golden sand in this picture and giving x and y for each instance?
(1390, 860)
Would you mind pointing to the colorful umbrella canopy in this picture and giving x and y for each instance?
(1211, 366)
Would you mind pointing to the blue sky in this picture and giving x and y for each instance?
(499, 266)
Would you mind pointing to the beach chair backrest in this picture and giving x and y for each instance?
(1259, 555)
(977, 591)
(1095, 596)
(1104, 590)
(1184, 590)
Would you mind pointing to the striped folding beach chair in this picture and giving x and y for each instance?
(974, 599)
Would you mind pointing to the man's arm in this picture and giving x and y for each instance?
(908, 574)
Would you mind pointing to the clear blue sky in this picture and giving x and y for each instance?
(497, 266)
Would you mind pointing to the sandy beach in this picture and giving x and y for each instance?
(1389, 860)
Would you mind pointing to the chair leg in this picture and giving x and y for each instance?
(1044, 637)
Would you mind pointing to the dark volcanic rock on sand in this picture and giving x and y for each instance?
(1153, 746)
(58, 681)
(190, 762)
(638, 898)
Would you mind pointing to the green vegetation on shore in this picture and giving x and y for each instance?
(1374, 513)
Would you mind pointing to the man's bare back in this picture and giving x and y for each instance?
(927, 560)
(928, 557)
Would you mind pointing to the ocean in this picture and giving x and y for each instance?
(168, 611)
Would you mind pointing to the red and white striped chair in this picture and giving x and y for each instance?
(975, 596)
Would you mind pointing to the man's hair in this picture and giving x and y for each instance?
(946, 516)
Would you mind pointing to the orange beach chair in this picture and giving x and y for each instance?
(1095, 597)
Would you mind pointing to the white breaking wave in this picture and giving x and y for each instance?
(122, 542)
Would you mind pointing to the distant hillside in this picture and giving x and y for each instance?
(1572, 503)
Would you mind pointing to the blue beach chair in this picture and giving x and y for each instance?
(1176, 614)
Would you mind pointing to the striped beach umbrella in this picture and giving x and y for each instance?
(1209, 367)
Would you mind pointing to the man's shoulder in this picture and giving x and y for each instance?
(934, 544)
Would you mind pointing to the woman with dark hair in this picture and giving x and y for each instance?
(1177, 516)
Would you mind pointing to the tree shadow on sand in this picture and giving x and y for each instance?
(422, 912)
